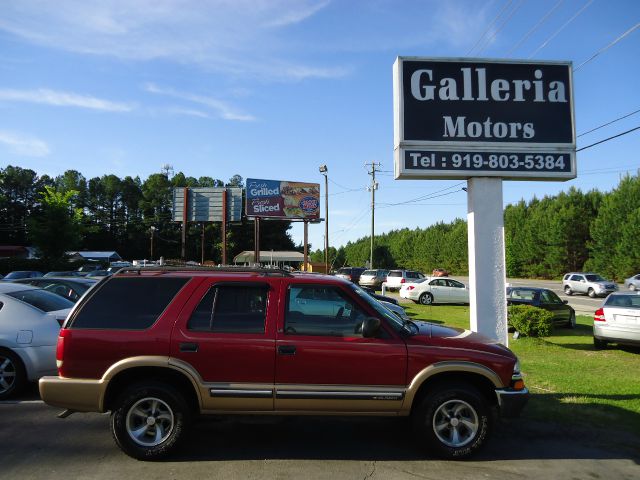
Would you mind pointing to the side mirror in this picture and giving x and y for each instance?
(370, 327)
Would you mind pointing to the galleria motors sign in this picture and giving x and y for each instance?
(458, 118)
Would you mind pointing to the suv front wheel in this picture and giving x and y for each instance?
(454, 420)
(149, 420)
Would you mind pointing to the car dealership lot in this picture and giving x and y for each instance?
(36, 444)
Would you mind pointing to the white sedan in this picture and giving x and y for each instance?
(30, 320)
(436, 290)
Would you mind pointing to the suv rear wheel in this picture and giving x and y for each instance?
(592, 293)
(567, 290)
(454, 420)
(149, 420)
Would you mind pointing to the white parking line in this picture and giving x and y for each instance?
(17, 402)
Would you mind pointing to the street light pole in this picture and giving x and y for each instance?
(325, 171)
(152, 229)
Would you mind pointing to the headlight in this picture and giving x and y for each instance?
(516, 368)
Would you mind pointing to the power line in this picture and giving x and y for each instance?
(489, 27)
(607, 139)
(553, 35)
(602, 50)
(609, 123)
(413, 202)
(488, 42)
(535, 27)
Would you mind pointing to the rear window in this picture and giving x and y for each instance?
(128, 303)
(344, 271)
(624, 301)
(395, 273)
(42, 300)
(371, 273)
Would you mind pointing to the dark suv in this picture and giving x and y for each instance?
(158, 347)
(350, 273)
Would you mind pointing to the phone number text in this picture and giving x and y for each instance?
(487, 161)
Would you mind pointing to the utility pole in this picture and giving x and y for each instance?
(373, 187)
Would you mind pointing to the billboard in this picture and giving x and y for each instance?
(204, 204)
(460, 118)
(282, 199)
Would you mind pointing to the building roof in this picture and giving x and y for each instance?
(96, 255)
(269, 256)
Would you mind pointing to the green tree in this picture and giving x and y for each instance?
(56, 228)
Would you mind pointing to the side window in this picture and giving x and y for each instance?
(128, 303)
(326, 311)
(577, 278)
(547, 296)
(438, 283)
(231, 309)
(453, 283)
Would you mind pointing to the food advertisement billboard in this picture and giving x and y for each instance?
(282, 199)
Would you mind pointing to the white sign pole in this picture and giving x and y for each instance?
(487, 271)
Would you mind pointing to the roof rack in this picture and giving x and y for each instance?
(188, 268)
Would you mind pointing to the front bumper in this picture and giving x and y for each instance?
(511, 402)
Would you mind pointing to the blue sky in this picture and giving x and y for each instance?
(274, 88)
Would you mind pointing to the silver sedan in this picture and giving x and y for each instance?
(618, 320)
(30, 319)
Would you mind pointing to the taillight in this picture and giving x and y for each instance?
(599, 316)
(60, 348)
(402, 280)
(410, 287)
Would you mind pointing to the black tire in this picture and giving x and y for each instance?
(171, 416)
(13, 376)
(426, 299)
(591, 293)
(567, 290)
(453, 408)
(599, 344)
(572, 320)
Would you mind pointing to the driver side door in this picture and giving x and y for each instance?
(323, 363)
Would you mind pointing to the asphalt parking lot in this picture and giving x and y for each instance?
(37, 445)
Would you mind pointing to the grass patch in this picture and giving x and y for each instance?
(569, 380)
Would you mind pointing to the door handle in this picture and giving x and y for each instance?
(287, 349)
(188, 347)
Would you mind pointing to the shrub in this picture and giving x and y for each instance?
(530, 321)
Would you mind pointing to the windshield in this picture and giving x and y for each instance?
(393, 319)
(595, 278)
(42, 300)
(18, 275)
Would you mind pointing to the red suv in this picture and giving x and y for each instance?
(158, 347)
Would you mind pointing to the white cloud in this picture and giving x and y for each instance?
(25, 145)
(241, 37)
(222, 109)
(189, 112)
(62, 99)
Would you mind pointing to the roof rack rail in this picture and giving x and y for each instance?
(227, 268)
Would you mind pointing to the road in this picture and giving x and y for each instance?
(582, 304)
(37, 445)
